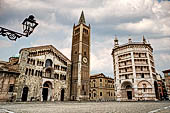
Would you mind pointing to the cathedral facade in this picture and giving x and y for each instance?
(44, 75)
(39, 74)
(134, 71)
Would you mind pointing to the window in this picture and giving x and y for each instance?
(29, 71)
(32, 72)
(26, 72)
(100, 80)
(169, 74)
(28, 60)
(11, 88)
(48, 73)
(36, 72)
(126, 76)
(94, 94)
(144, 87)
(100, 84)
(48, 63)
(33, 62)
(56, 76)
(125, 63)
(142, 75)
(82, 87)
(85, 31)
(100, 93)
(125, 70)
(85, 53)
(77, 30)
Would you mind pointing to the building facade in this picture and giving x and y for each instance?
(44, 74)
(101, 88)
(41, 74)
(167, 81)
(134, 71)
(160, 89)
(8, 75)
(80, 58)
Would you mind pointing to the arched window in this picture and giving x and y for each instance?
(48, 73)
(48, 63)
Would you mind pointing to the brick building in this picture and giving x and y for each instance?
(80, 58)
(167, 81)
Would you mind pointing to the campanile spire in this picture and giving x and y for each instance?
(82, 19)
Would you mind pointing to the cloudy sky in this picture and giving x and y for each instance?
(108, 18)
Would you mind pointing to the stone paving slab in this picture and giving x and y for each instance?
(87, 107)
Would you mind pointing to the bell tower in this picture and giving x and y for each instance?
(80, 58)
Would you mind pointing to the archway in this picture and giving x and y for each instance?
(62, 95)
(25, 94)
(127, 91)
(47, 86)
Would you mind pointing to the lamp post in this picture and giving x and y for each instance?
(29, 25)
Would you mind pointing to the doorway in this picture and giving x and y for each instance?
(45, 94)
(25, 94)
(46, 91)
(62, 95)
(156, 90)
(129, 94)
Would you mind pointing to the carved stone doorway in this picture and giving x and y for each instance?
(45, 94)
(62, 95)
(129, 94)
(25, 94)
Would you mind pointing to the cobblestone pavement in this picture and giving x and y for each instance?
(86, 107)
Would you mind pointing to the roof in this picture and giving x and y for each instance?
(82, 19)
(8, 67)
(3, 62)
(132, 43)
(99, 75)
(168, 70)
(46, 47)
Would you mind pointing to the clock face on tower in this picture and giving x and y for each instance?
(84, 59)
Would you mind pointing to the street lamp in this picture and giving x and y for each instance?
(29, 25)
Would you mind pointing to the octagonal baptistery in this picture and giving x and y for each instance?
(134, 71)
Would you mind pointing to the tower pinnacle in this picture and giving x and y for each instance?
(82, 19)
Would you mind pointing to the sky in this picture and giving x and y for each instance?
(123, 18)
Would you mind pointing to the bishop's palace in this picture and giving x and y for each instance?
(43, 73)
